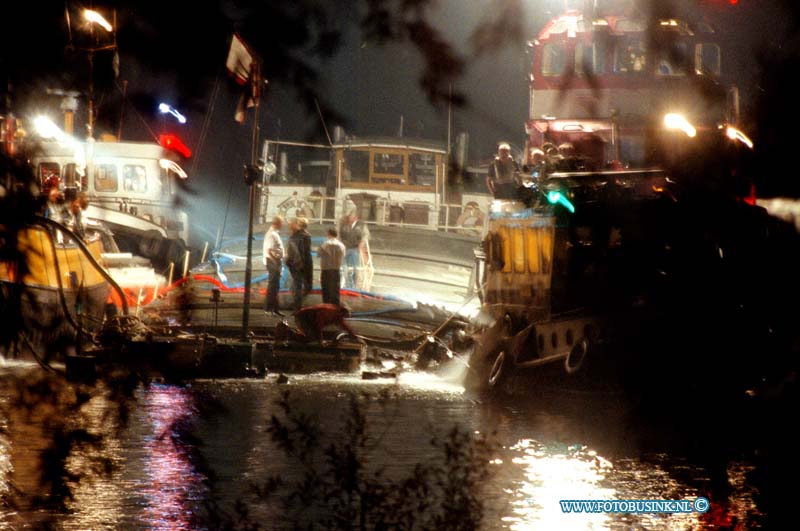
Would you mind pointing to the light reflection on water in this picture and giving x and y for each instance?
(552, 474)
(172, 486)
(542, 458)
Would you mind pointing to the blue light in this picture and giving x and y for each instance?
(164, 109)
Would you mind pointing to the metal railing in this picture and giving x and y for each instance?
(448, 217)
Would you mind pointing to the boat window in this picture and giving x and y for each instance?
(518, 241)
(314, 172)
(422, 169)
(631, 149)
(387, 167)
(356, 166)
(105, 178)
(672, 60)
(707, 59)
(590, 58)
(49, 173)
(532, 243)
(554, 59)
(505, 245)
(546, 238)
(630, 56)
(134, 178)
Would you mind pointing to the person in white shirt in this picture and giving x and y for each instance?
(355, 235)
(331, 255)
(273, 260)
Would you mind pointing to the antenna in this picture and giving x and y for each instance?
(95, 19)
(322, 119)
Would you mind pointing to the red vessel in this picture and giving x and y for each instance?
(604, 83)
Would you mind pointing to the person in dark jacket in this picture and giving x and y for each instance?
(298, 260)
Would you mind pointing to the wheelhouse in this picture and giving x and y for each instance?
(133, 178)
(602, 84)
(389, 181)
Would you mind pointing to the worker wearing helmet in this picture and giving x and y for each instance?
(502, 178)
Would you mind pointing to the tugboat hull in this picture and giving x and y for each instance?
(60, 292)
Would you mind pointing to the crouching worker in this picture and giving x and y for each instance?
(311, 320)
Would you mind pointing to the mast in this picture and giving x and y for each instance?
(251, 181)
(94, 18)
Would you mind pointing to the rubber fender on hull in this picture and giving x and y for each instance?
(493, 341)
(577, 356)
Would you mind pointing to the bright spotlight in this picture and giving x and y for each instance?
(677, 121)
(165, 108)
(735, 134)
(97, 18)
(47, 129)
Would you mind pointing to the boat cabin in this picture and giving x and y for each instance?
(129, 184)
(575, 247)
(388, 181)
(601, 85)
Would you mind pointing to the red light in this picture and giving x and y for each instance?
(752, 198)
(174, 143)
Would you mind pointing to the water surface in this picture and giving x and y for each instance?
(185, 446)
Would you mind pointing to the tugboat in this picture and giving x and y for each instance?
(555, 274)
(634, 282)
(630, 262)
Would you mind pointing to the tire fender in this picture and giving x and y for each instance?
(577, 356)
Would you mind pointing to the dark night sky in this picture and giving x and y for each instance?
(174, 51)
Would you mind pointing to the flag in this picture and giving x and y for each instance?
(244, 68)
(240, 60)
(249, 96)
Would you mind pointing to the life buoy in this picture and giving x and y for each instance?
(577, 356)
(296, 210)
(471, 217)
(550, 149)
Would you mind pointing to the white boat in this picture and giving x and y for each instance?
(131, 188)
(390, 181)
(423, 228)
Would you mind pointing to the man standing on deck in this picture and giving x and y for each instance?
(355, 235)
(298, 260)
(54, 208)
(502, 177)
(273, 257)
(331, 255)
(76, 208)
